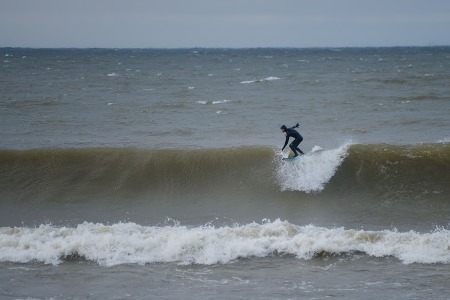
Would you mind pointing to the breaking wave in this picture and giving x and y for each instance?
(129, 243)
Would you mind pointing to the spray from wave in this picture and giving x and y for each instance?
(312, 171)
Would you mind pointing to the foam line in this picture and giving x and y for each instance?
(125, 243)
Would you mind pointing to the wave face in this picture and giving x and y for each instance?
(410, 171)
(126, 243)
(58, 173)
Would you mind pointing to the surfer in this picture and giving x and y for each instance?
(291, 132)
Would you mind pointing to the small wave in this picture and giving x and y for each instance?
(270, 78)
(126, 243)
(213, 102)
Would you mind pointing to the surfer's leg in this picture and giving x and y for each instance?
(296, 143)
(293, 148)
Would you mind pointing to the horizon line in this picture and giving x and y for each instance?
(220, 48)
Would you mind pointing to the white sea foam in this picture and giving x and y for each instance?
(270, 78)
(124, 243)
(213, 102)
(311, 172)
(444, 140)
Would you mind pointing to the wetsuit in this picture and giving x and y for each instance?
(291, 132)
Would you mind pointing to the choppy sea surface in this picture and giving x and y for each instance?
(157, 173)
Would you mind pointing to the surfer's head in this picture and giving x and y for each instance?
(283, 128)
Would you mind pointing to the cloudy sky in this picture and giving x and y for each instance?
(223, 23)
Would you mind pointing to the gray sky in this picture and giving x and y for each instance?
(223, 23)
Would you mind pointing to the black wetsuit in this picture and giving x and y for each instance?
(291, 132)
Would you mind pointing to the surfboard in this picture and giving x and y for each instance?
(315, 150)
(290, 158)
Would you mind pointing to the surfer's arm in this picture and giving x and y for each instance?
(296, 126)
(285, 143)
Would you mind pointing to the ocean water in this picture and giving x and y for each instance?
(157, 173)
